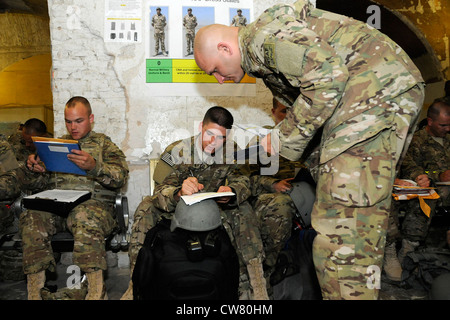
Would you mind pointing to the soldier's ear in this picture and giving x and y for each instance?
(224, 48)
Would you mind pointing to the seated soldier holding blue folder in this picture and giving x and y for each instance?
(89, 222)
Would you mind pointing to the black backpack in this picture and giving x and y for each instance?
(186, 265)
(422, 266)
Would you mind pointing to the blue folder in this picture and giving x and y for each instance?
(53, 152)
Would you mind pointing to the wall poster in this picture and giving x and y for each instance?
(123, 21)
(169, 32)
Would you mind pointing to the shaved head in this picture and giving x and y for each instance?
(216, 51)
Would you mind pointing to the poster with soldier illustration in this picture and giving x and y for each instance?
(169, 31)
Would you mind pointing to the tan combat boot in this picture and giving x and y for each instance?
(407, 246)
(35, 282)
(391, 265)
(257, 280)
(96, 286)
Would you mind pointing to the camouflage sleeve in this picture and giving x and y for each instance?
(112, 170)
(35, 181)
(9, 171)
(421, 158)
(314, 66)
(239, 181)
(164, 193)
(260, 183)
(410, 169)
(10, 185)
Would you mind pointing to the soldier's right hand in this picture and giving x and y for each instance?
(33, 163)
(190, 186)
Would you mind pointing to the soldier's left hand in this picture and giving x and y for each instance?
(224, 199)
(82, 159)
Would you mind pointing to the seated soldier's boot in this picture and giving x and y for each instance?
(35, 282)
(391, 265)
(128, 295)
(96, 286)
(407, 246)
(257, 280)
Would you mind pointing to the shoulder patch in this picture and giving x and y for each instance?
(269, 53)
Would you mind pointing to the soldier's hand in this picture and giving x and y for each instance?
(270, 144)
(423, 180)
(190, 186)
(33, 163)
(283, 185)
(445, 176)
(224, 199)
(82, 159)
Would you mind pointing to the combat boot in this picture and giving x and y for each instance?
(96, 286)
(257, 280)
(35, 282)
(391, 265)
(407, 246)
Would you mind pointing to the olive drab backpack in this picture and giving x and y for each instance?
(180, 264)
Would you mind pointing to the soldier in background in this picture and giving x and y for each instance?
(239, 20)
(338, 74)
(158, 24)
(426, 162)
(270, 199)
(22, 142)
(89, 222)
(200, 165)
(190, 22)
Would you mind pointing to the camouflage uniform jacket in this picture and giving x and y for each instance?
(212, 174)
(18, 144)
(159, 23)
(10, 172)
(309, 58)
(238, 21)
(426, 156)
(190, 22)
(108, 176)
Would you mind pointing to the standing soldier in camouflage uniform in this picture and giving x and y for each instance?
(340, 74)
(89, 222)
(239, 20)
(158, 24)
(427, 161)
(190, 22)
(201, 165)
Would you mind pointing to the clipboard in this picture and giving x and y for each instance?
(59, 202)
(53, 152)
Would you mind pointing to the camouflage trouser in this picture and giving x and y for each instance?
(190, 36)
(393, 232)
(416, 224)
(160, 37)
(275, 212)
(352, 206)
(240, 224)
(89, 222)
